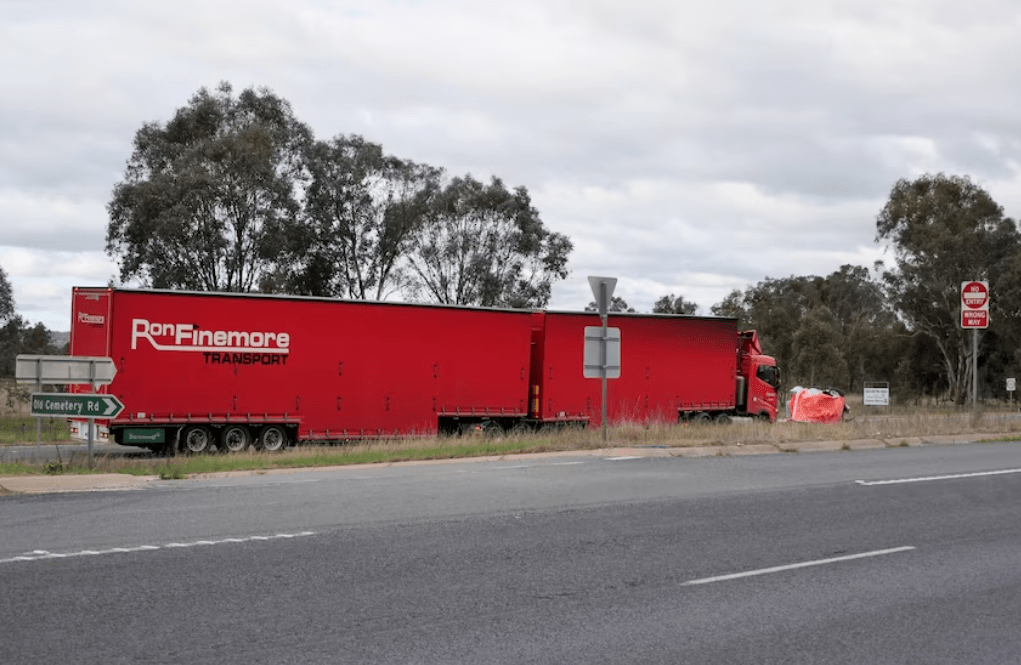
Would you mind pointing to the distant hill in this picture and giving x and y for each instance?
(59, 339)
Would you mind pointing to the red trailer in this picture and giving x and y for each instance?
(673, 367)
(218, 369)
(203, 370)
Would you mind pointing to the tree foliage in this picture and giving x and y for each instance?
(208, 198)
(835, 330)
(943, 230)
(234, 194)
(671, 304)
(483, 244)
(18, 336)
(816, 349)
(6, 297)
(617, 304)
(361, 211)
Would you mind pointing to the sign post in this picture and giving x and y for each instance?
(69, 370)
(602, 289)
(1011, 385)
(974, 315)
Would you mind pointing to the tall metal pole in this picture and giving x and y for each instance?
(974, 370)
(38, 388)
(92, 421)
(602, 289)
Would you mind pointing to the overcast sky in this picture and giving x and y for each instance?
(685, 147)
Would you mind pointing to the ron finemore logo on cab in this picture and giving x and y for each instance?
(227, 347)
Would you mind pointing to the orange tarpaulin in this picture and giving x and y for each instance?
(812, 405)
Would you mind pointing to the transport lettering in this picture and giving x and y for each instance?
(244, 358)
(189, 337)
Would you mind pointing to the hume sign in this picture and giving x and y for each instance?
(974, 304)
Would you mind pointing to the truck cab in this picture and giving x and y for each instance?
(759, 378)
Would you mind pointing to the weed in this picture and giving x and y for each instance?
(171, 473)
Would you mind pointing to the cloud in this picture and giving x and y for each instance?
(51, 223)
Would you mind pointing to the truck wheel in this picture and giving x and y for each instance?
(272, 438)
(700, 418)
(197, 439)
(486, 428)
(234, 439)
(492, 429)
(521, 429)
(723, 419)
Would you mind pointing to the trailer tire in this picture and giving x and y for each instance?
(492, 429)
(272, 438)
(723, 419)
(486, 428)
(522, 428)
(234, 439)
(197, 439)
(700, 418)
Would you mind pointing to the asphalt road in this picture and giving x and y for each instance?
(768, 559)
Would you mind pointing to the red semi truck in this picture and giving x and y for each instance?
(203, 370)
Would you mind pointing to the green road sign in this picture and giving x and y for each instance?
(79, 406)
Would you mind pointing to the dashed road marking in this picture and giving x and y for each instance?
(793, 566)
(954, 476)
(39, 555)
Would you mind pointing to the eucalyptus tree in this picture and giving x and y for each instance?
(617, 304)
(671, 304)
(6, 297)
(866, 324)
(943, 230)
(484, 244)
(361, 211)
(208, 198)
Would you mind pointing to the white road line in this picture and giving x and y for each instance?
(38, 555)
(928, 478)
(793, 566)
(618, 459)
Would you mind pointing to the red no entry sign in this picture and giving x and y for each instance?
(975, 304)
(975, 295)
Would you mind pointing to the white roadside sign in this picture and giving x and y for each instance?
(64, 370)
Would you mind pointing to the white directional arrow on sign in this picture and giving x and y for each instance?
(112, 406)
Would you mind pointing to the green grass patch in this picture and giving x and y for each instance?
(19, 469)
(1002, 439)
(22, 429)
